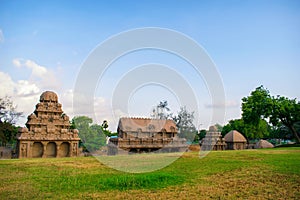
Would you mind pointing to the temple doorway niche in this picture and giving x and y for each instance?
(37, 150)
(64, 150)
(51, 150)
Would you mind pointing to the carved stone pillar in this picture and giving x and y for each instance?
(71, 149)
(29, 152)
(44, 149)
(58, 149)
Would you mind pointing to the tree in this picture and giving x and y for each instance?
(8, 111)
(277, 110)
(287, 112)
(161, 111)
(91, 135)
(184, 122)
(98, 136)
(250, 131)
(104, 125)
(202, 134)
(280, 132)
(8, 133)
(8, 117)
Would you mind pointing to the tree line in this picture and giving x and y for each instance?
(263, 117)
(267, 116)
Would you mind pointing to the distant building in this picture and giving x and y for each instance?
(235, 140)
(146, 135)
(213, 140)
(47, 132)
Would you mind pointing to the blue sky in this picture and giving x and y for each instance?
(44, 43)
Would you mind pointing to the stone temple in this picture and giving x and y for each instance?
(137, 135)
(47, 132)
(213, 140)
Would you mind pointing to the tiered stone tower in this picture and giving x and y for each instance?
(213, 140)
(48, 132)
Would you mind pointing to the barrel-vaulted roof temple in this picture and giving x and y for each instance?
(47, 132)
(138, 135)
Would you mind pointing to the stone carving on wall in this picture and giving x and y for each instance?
(24, 150)
(48, 127)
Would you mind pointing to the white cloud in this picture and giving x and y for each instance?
(19, 89)
(7, 85)
(26, 95)
(37, 70)
(66, 99)
(40, 75)
(23, 93)
(1, 36)
(227, 104)
(16, 62)
(27, 88)
(101, 109)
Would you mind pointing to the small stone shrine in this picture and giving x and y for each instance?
(47, 132)
(235, 140)
(213, 140)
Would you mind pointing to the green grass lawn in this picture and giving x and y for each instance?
(247, 174)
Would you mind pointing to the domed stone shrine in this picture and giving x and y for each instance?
(47, 132)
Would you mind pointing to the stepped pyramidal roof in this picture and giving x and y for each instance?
(48, 132)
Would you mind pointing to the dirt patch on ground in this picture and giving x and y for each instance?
(194, 147)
